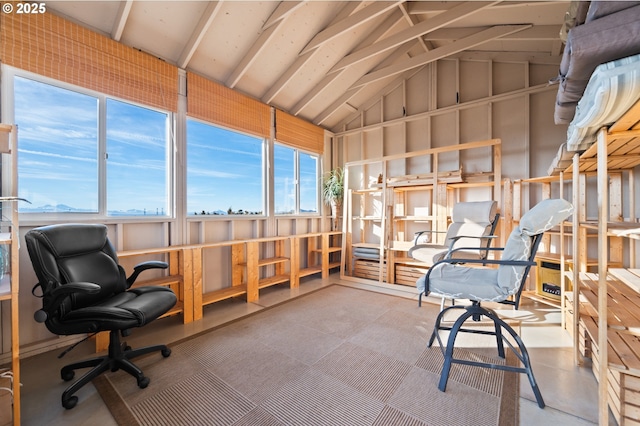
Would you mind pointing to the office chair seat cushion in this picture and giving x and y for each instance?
(133, 308)
(463, 282)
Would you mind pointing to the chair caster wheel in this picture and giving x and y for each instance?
(126, 348)
(67, 375)
(165, 352)
(70, 402)
(143, 382)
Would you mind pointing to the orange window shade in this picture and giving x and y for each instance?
(298, 133)
(218, 104)
(51, 46)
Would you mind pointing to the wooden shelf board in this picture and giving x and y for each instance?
(272, 261)
(416, 218)
(622, 347)
(276, 279)
(161, 281)
(534, 295)
(334, 265)
(223, 294)
(366, 245)
(409, 261)
(623, 302)
(631, 277)
(268, 261)
(331, 250)
(310, 271)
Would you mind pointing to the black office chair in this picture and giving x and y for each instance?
(455, 279)
(85, 290)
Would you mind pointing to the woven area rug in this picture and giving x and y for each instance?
(336, 356)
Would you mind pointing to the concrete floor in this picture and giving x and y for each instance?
(570, 391)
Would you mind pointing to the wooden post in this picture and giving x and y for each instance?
(603, 217)
(253, 271)
(191, 271)
(578, 210)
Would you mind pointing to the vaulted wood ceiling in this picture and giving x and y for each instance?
(324, 60)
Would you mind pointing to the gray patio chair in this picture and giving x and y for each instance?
(484, 284)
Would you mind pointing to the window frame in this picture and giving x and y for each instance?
(263, 177)
(297, 180)
(8, 114)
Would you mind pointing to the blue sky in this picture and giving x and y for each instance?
(59, 152)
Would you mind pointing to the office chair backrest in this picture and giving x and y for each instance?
(74, 253)
(472, 218)
(524, 239)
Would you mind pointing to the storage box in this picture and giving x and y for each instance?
(369, 269)
(408, 275)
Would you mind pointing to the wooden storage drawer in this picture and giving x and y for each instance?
(368, 269)
(408, 275)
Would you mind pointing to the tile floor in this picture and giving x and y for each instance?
(570, 391)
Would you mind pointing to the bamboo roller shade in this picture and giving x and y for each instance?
(51, 46)
(218, 104)
(296, 132)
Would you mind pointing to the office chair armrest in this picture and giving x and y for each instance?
(75, 287)
(418, 234)
(139, 268)
(457, 237)
(60, 293)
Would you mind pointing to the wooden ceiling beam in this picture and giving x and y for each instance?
(454, 14)
(368, 13)
(284, 9)
(198, 33)
(121, 19)
(441, 52)
(302, 59)
(379, 32)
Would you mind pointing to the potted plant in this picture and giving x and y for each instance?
(333, 190)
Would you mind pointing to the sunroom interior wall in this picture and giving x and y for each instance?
(418, 138)
(447, 83)
(474, 79)
(544, 132)
(393, 104)
(495, 102)
(395, 143)
(475, 126)
(509, 76)
(419, 88)
(445, 132)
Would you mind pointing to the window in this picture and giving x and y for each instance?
(296, 181)
(58, 151)
(137, 170)
(224, 171)
(61, 153)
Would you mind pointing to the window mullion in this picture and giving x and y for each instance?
(102, 155)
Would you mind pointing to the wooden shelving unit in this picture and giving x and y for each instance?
(606, 321)
(9, 238)
(405, 204)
